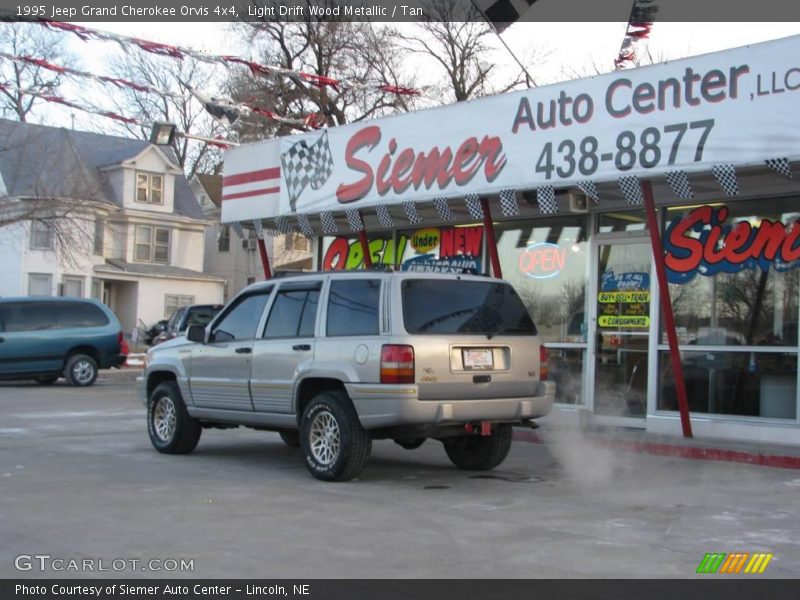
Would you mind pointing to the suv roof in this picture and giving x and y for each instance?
(361, 273)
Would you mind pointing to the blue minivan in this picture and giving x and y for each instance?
(45, 338)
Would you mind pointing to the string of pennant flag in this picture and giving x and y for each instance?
(640, 24)
(255, 68)
(222, 109)
(545, 197)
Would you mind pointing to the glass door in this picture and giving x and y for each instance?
(621, 320)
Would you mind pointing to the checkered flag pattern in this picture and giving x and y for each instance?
(322, 160)
(384, 216)
(474, 208)
(354, 219)
(282, 224)
(271, 233)
(237, 227)
(443, 209)
(726, 176)
(631, 189)
(411, 212)
(780, 166)
(679, 182)
(508, 203)
(546, 198)
(258, 229)
(329, 225)
(305, 225)
(303, 165)
(589, 188)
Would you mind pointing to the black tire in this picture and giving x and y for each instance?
(410, 444)
(80, 370)
(479, 453)
(343, 454)
(171, 429)
(290, 438)
(46, 380)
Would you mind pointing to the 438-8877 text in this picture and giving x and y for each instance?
(647, 150)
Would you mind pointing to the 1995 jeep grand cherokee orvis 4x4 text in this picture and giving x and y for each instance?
(334, 360)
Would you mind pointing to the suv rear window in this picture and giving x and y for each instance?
(436, 306)
(353, 307)
(79, 314)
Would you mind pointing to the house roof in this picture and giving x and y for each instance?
(151, 270)
(36, 160)
(212, 184)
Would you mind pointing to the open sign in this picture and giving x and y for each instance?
(542, 260)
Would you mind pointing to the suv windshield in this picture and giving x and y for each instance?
(457, 306)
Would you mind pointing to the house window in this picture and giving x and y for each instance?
(149, 188)
(173, 302)
(224, 239)
(40, 284)
(152, 244)
(72, 286)
(296, 241)
(99, 236)
(97, 289)
(41, 236)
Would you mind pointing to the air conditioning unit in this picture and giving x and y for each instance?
(250, 245)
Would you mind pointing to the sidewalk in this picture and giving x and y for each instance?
(634, 440)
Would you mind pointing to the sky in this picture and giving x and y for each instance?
(562, 48)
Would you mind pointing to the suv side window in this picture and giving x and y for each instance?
(79, 314)
(293, 314)
(353, 307)
(240, 322)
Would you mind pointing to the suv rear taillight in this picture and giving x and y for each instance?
(397, 364)
(544, 367)
(123, 345)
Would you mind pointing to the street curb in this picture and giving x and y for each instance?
(678, 451)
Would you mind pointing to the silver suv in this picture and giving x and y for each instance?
(334, 360)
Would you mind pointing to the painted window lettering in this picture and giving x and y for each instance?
(702, 243)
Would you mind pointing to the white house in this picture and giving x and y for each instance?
(238, 261)
(142, 249)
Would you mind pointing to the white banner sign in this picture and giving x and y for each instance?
(737, 107)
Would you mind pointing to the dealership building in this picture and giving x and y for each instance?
(626, 209)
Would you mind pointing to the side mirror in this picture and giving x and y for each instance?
(196, 333)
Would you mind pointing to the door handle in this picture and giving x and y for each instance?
(301, 347)
(244, 350)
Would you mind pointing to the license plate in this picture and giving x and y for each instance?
(478, 359)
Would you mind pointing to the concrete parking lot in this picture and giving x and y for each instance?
(80, 481)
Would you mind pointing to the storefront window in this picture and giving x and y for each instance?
(734, 280)
(615, 222)
(546, 262)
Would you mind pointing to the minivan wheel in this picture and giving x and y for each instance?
(335, 445)
(171, 429)
(290, 438)
(479, 453)
(80, 370)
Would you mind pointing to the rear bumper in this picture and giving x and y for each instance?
(393, 405)
(113, 361)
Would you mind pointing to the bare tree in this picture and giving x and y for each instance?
(34, 41)
(54, 200)
(182, 109)
(457, 38)
(353, 52)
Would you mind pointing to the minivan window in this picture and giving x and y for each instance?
(79, 314)
(241, 321)
(353, 307)
(469, 307)
(31, 316)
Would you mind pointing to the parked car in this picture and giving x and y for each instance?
(333, 361)
(46, 338)
(194, 314)
(152, 333)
